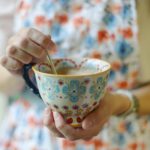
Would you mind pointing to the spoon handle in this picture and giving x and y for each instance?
(51, 63)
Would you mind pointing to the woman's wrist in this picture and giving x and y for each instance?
(117, 103)
(120, 102)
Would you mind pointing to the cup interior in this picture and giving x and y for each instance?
(69, 67)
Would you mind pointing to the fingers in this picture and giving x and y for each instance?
(26, 46)
(97, 118)
(56, 124)
(38, 37)
(91, 125)
(10, 64)
(91, 120)
(49, 122)
(30, 47)
(62, 126)
(69, 132)
(19, 55)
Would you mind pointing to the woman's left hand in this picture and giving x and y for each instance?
(111, 104)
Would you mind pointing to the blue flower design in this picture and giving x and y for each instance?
(124, 69)
(48, 6)
(123, 49)
(112, 75)
(56, 29)
(49, 87)
(74, 90)
(126, 11)
(129, 127)
(57, 89)
(64, 2)
(27, 23)
(109, 19)
(57, 33)
(89, 41)
(97, 88)
(43, 87)
(121, 139)
(51, 92)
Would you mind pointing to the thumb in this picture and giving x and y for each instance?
(96, 117)
(91, 120)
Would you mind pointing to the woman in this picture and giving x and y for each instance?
(102, 29)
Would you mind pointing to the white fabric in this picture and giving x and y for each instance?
(7, 8)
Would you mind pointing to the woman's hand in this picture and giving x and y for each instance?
(24, 47)
(112, 104)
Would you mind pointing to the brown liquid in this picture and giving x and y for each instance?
(74, 71)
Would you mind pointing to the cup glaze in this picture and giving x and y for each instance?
(74, 96)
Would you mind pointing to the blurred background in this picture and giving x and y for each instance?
(9, 85)
(143, 8)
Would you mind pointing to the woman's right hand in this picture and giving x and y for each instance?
(26, 46)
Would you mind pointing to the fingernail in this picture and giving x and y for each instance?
(13, 50)
(59, 122)
(47, 111)
(58, 118)
(49, 46)
(56, 115)
(3, 60)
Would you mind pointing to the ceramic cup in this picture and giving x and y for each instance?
(74, 94)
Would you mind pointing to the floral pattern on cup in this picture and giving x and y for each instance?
(97, 88)
(74, 96)
(74, 90)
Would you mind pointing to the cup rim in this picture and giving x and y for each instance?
(77, 75)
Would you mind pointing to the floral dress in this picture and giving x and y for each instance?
(102, 29)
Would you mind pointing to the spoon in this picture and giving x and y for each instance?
(51, 64)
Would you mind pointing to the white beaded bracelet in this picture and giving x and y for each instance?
(134, 103)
